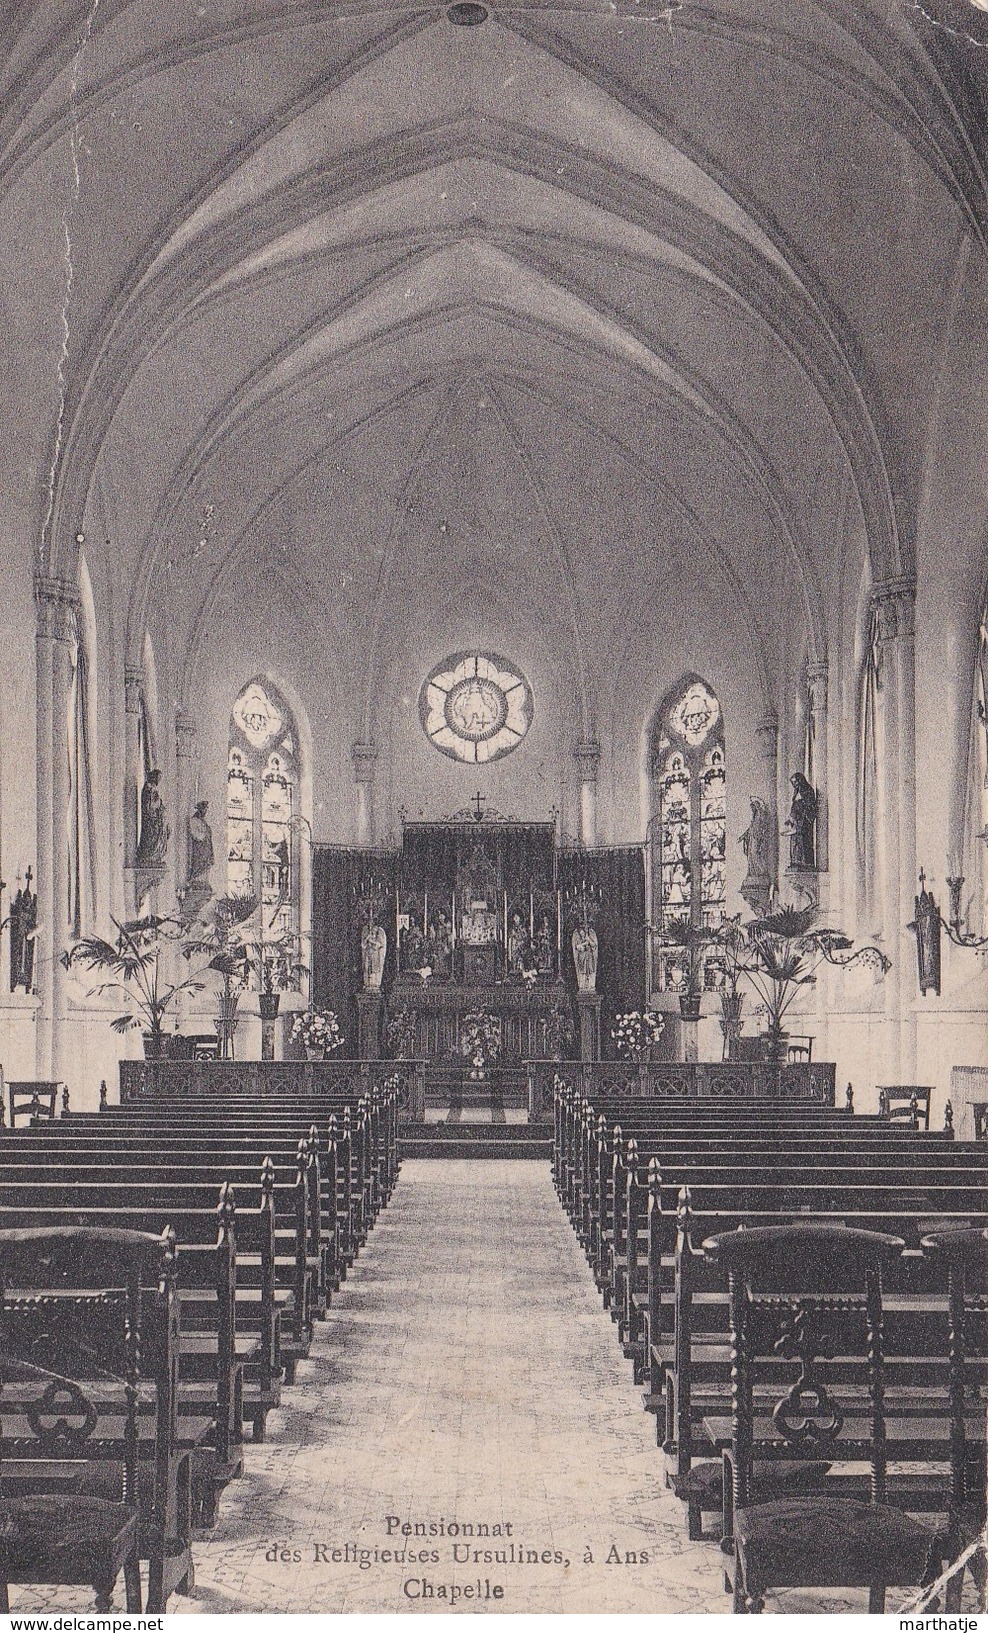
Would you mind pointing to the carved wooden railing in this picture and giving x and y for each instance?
(171, 1079)
(653, 1080)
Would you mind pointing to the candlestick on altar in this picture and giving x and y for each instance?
(559, 933)
(425, 915)
(531, 915)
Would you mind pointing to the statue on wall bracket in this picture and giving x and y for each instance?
(197, 889)
(152, 845)
(801, 826)
(758, 844)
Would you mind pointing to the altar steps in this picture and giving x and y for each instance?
(510, 1141)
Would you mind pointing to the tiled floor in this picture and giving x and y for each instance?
(466, 1373)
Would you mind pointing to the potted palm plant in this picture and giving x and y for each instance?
(678, 934)
(223, 941)
(274, 964)
(132, 967)
(781, 955)
(729, 945)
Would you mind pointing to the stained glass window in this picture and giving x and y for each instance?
(262, 806)
(688, 832)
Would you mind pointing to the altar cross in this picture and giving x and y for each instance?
(479, 801)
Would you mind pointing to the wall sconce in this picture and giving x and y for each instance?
(927, 925)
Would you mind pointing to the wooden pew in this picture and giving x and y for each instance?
(89, 1364)
(740, 1163)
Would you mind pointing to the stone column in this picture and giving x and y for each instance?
(133, 693)
(895, 604)
(816, 678)
(588, 1009)
(767, 735)
(56, 603)
(369, 1025)
(186, 742)
(364, 763)
(587, 757)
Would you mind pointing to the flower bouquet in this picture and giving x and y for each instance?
(318, 1031)
(480, 1039)
(634, 1032)
(402, 1035)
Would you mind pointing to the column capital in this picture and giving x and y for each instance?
(586, 753)
(768, 730)
(894, 602)
(364, 761)
(57, 600)
(816, 684)
(133, 687)
(185, 735)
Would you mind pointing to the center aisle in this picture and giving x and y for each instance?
(466, 1372)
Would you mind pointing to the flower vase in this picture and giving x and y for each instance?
(267, 1003)
(313, 1051)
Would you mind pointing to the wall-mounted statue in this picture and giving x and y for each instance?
(373, 952)
(801, 826)
(758, 844)
(23, 929)
(201, 855)
(152, 846)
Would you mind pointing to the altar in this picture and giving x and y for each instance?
(533, 1018)
(477, 916)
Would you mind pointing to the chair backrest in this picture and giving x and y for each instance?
(905, 1103)
(800, 1048)
(965, 1253)
(31, 1101)
(979, 1111)
(806, 1332)
(87, 1317)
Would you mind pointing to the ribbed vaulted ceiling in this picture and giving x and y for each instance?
(395, 310)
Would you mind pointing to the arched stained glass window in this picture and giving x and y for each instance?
(688, 831)
(262, 783)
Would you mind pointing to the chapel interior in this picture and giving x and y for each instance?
(494, 790)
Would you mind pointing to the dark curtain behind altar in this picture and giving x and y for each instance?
(617, 877)
(339, 876)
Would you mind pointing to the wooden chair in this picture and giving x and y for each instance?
(805, 1305)
(905, 1103)
(88, 1321)
(965, 1253)
(800, 1048)
(32, 1102)
(979, 1112)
